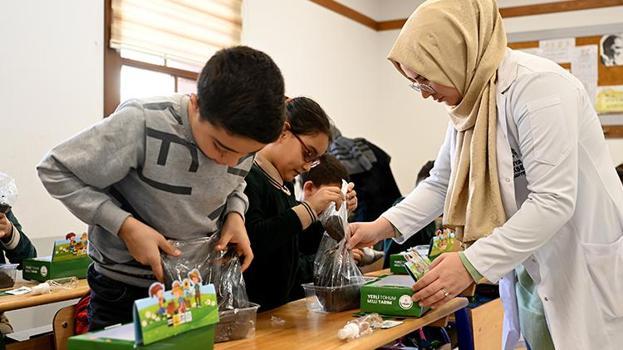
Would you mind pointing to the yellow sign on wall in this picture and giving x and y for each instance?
(609, 99)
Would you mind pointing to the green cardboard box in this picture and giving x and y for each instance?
(201, 338)
(166, 320)
(390, 295)
(397, 261)
(43, 268)
(397, 264)
(69, 259)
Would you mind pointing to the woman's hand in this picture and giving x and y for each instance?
(446, 279)
(365, 234)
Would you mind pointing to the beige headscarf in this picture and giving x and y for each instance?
(460, 43)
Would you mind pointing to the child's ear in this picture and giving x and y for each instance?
(284, 131)
(309, 189)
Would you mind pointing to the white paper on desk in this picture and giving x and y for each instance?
(125, 332)
(584, 67)
(390, 324)
(19, 291)
(557, 50)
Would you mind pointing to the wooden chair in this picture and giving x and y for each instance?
(487, 320)
(63, 326)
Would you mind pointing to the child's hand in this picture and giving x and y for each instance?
(325, 195)
(351, 198)
(234, 232)
(6, 228)
(357, 255)
(144, 244)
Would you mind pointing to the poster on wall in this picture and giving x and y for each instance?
(611, 49)
(533, 51)
(584, 67)
(557, 50)
(609, 99)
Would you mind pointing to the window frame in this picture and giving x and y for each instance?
(113, 63)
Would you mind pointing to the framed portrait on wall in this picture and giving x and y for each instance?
(611, 49)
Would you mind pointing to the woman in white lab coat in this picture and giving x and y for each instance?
(524, 177)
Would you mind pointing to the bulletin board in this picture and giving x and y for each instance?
(606, 76)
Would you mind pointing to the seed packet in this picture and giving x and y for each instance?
(416, 265)
(444, 241)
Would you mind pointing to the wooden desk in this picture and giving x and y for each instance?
(379, 273)
(304, 329)
(13, 302)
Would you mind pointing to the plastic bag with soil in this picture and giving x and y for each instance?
(334, 266)
(223, 269)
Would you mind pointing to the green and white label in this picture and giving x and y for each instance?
(381, 299)
(405, 302)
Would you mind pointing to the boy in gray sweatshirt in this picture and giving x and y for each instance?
(166, 168)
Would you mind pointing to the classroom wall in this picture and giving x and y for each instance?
(323, 56)
(383, 10)
(574, 23)
(565, 24)
(423, 122)
(342, 65)
(358, 87)
(50, 88)
(415, 127)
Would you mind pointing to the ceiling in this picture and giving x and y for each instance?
(383, 10)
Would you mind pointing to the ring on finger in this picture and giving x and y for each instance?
(445, 292)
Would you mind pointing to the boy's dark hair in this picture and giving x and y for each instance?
(241, 90)
(306, 117)
(329, 172)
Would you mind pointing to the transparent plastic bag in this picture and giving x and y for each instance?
(334, 265)
(221, 268)
(360, 327)
(8, 192)
(50, 286)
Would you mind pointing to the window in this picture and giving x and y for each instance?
(136, 83)
(158, 47)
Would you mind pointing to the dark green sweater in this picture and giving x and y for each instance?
(275, 274)
(24, 248)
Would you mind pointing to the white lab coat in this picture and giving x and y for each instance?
(563, 200)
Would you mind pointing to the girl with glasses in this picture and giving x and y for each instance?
(275, 219)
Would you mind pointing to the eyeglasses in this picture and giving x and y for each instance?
(423, 86)
(309, 156)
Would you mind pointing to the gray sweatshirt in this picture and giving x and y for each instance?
(142, 161)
